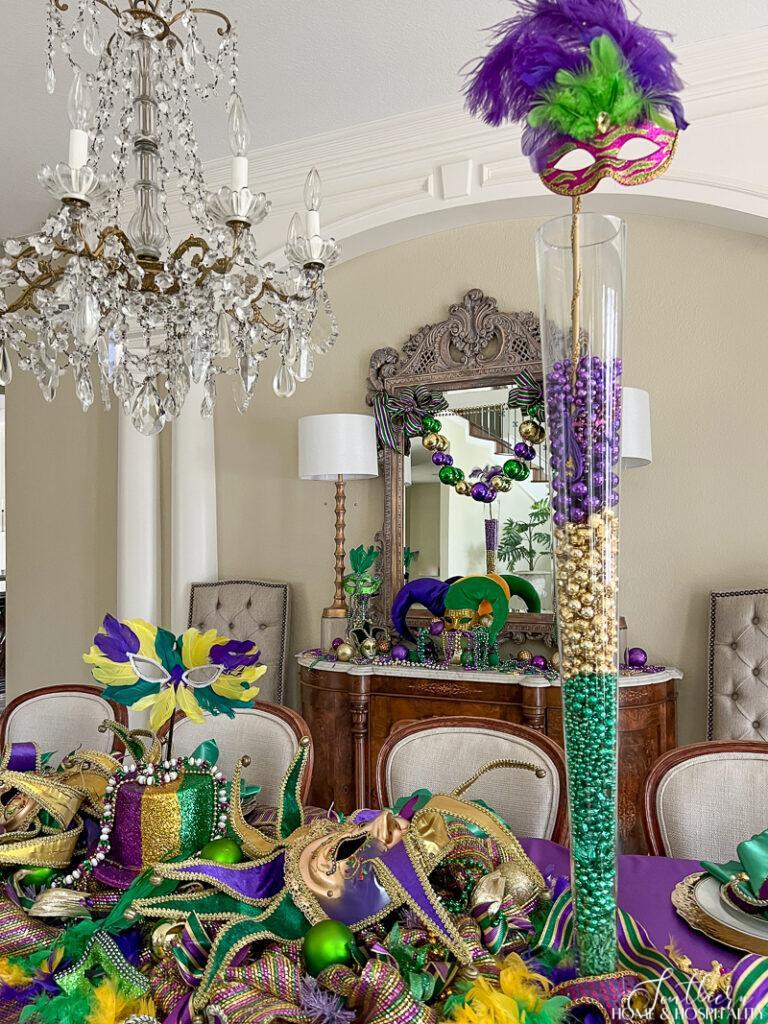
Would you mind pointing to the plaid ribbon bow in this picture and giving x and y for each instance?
(405, 410)
(524, 391)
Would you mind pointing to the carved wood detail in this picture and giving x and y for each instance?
(477, 345)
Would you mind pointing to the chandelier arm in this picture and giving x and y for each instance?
(108, 6)
(222, 31)
(24, 300)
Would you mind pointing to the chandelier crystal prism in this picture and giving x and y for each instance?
(121, 308)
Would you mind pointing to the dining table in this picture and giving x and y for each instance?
(645, 892)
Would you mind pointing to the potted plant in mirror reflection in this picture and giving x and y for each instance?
(409, 557)
(526, 543)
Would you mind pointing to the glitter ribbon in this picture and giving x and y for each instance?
(379, 995)
(405, 411)
(503, 926)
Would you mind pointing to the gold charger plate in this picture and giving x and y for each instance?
(697, 900)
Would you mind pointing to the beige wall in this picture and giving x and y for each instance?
(692, 522)
(62, 508)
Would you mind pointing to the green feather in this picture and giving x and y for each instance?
(167, 649)
(575, 100)
(128, 695)
(361, 559)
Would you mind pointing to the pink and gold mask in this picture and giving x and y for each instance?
(607, 160)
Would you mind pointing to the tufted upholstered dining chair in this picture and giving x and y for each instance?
(256, 610)
(702, 800)
(440, 754)
(738, 665)
(268, 733)
(60, 719)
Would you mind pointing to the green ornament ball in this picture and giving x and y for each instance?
(223, 851)
(431, 425)
(448, 476)
(38, 876)
(467, 658)
(458, 474)
(516, 470)
(493, 658)
(326, 943)
(413, 655)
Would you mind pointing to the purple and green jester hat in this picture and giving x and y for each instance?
(582, 75)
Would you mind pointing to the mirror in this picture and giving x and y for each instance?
(447, 534)
(471, 357)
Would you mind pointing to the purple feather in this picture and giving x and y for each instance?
(118, 640)
(234, 654)
(547, 36)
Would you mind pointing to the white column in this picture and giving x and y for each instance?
(194, 535)
(138, 523)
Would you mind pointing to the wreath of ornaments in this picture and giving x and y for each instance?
(531, 431)
(147, 774)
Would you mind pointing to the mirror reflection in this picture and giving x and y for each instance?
(448, 534)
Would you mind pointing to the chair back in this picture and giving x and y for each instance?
(256, 610)
(268, 733)
(738, 665)
(440, 754)
(702, 800)
(61, 719)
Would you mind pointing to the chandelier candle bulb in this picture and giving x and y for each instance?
(80, 110)
(312, 195)
(239, 173)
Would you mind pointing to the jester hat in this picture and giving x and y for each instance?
(581, 74)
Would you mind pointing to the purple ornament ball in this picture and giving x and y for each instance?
(540, 662)
(481, 492)
(400, 652)
(436, 627)
(637, 657)
(439, 458)
(337, 642)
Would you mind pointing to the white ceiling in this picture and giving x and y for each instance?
(308, 66)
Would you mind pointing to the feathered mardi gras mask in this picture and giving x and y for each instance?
(143, 666)
(582, 76)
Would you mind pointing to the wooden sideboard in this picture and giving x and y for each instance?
(351, 709)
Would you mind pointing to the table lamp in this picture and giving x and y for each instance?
(635, 429)
(339, 447)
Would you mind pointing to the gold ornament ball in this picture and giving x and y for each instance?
(384, 645)
(531, 431)
(368, 648)
(430, 442)
(344, 652)
(496, 483)
(486, 620)
(443, 443)
(524, 654)
(463, 487)
(554, 661)
(508, 881)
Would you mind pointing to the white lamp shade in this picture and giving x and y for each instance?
(635, 428)
(337, 444)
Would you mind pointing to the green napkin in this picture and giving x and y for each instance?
(752, 862)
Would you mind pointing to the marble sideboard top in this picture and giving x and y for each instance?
(457, 675)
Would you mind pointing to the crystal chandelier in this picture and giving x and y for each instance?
(117, 304)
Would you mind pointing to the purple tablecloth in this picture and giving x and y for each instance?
(645, 887)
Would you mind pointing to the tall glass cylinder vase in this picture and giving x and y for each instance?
(580, 263)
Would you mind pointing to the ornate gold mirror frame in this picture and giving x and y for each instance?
(477, 346)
